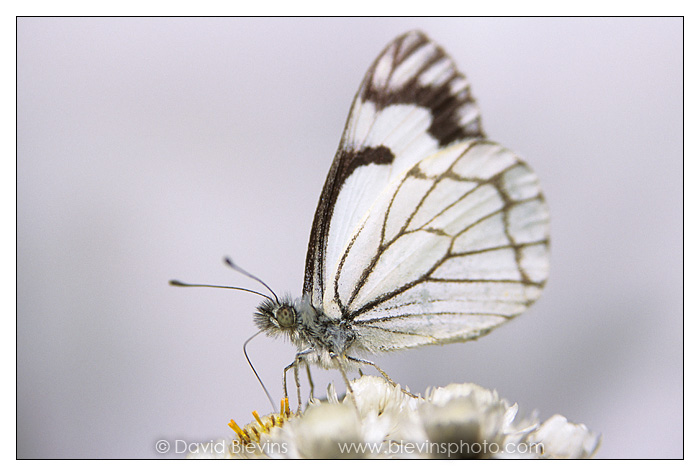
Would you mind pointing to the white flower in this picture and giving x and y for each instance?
(468, 421)
(457, 421)
(561, 439)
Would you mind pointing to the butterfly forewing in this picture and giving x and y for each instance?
(425, 232)
(412, 102)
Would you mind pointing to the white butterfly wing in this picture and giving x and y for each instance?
(412, 102)
(425, 233)
(454, 247)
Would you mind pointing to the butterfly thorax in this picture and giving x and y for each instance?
(306, 327)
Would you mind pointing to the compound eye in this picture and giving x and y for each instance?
(286, 317)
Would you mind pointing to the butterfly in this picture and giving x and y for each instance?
(425, 233)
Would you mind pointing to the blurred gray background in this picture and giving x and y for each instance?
(150, 148)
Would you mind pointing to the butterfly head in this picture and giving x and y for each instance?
(273, 316)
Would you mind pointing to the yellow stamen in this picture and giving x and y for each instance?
(257, 418)
(232, 424)
(252, 432)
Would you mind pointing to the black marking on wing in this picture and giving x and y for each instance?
(423, 301)
(445, 313)
(344, 164)
(401, 332)
(515, 246)
(443, 103)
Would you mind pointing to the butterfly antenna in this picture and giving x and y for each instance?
(230, 263)
(175, 282)
(245, 352)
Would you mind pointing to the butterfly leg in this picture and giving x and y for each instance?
(284, 379)
(311, 382)
(295, 365)
(384, 374)
(298, 384)
(341, 368)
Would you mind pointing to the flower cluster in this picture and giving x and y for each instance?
(456, 421)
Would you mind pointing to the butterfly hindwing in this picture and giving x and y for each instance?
(454, 247)
(412, 103)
